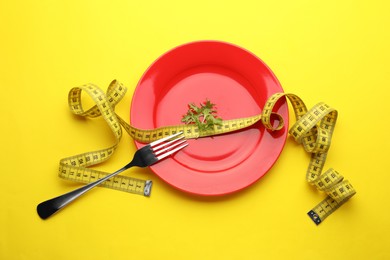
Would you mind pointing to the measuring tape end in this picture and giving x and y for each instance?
(148, 188)
(314, 216)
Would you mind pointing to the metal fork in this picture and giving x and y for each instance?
(143, 157)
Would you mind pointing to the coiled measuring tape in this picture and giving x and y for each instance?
(313, 129)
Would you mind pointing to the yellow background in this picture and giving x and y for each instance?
(332, 51)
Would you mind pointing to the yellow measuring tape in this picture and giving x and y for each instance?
(313, 129)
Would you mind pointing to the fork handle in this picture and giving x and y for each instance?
(51, 206)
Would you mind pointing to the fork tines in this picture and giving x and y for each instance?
(168, 145)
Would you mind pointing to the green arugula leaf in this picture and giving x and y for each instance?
(204, 116)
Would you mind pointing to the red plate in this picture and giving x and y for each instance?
(239, 84)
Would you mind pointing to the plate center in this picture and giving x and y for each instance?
(234, 97)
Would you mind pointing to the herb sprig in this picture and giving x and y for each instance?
(204, 116)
